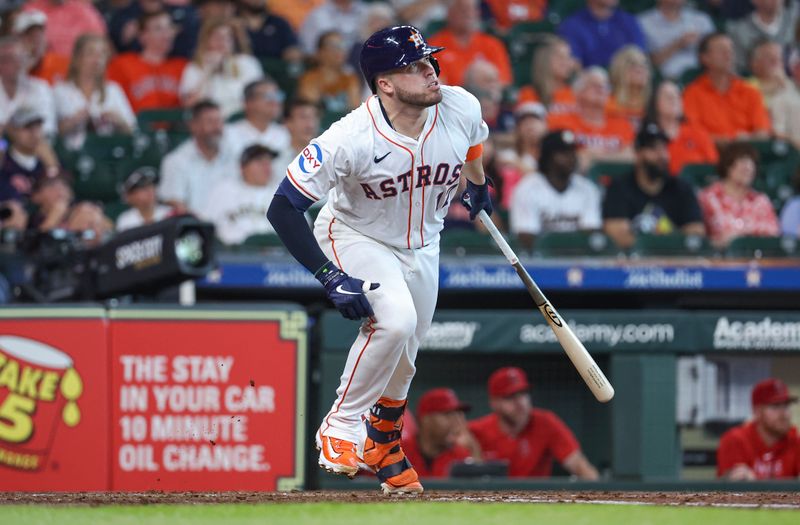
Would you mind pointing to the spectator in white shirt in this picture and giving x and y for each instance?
(262, 107)
(673, 31)
(139, 192)
(221, 68)
(556, 199)
(88, 103)
(345, 16)
(188, 172)
(237, 206)
(18, 89)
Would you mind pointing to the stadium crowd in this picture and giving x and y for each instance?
(632, 118)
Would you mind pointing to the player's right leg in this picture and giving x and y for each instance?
(376, 351)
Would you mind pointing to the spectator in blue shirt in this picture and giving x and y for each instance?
(596, 32)
(270, 35)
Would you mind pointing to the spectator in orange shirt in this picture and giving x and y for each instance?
(602, 137)
(294, 11)
(506, 13)
(731, 207)
(630, 84)
(442, 437)
(150, 79)
(552, 70)
(464, 43)
(719, 101)
(46, 65)
(332, 83)
(688, 143)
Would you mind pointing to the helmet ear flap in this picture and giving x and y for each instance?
(435, 64)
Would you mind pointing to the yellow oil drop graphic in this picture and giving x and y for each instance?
(71, 385)
(71, 389)
(71, 414)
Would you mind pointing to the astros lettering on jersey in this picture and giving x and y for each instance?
(384, 184)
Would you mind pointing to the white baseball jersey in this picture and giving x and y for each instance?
(237, 209)
(386, 185)
(537, 207)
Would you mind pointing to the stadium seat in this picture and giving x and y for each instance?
(262, 240)
(283, 73)
(169, 120)
(97, 180)
(699, 175)
(574, 244)
(637, 6)
(329, 117)
(466, 242)
(558, 11)
(688, 76)
(114, 209)
(675, 244)
(602, 173)
(522, 41)
(755, 247)
(770, 150)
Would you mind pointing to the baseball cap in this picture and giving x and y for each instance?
(508, 381)
(25, 116)
(648, 135)
(28, 19)
(439, 400)
(530, 109)
(139, 178)
(771, 391)
(255, 151)
(559, 140)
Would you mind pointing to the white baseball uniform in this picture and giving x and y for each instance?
(388, 195)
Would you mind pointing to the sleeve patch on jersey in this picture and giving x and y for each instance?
(310, 159)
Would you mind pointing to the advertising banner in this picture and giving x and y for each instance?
(54, 408)
(207, 400)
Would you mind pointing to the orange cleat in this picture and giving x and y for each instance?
(338, 456)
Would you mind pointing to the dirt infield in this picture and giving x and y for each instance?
(787, 500)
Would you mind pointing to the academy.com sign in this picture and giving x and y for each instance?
(607, 334)
(765, 334)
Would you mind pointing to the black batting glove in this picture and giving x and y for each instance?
(476, 198)
(346, 293)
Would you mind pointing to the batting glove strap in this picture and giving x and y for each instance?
(476, 198)
(345, 292)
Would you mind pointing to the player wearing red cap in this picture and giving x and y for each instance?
(528, 438)
(442, 437)
(767, 447)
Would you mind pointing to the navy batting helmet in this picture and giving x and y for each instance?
(392, 48)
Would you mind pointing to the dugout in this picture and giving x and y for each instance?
(681, 378)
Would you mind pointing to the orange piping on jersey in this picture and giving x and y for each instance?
(299, 187)
(474, 152)
(411, 182)
(333, 244)
(371, 329)
(422, 160)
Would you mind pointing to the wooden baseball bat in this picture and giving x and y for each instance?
(577, 353)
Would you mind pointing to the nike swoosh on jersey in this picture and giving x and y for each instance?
(340, 289)
(378, 159)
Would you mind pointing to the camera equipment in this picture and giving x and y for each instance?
(138, 261)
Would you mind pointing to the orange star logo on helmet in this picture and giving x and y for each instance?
(417, 39)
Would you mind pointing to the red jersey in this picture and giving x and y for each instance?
(439, 467)
(148, 86)
(743, 446)
(531, 453)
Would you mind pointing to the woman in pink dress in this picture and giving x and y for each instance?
(731, 207)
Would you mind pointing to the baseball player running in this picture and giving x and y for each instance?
(389, 169)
